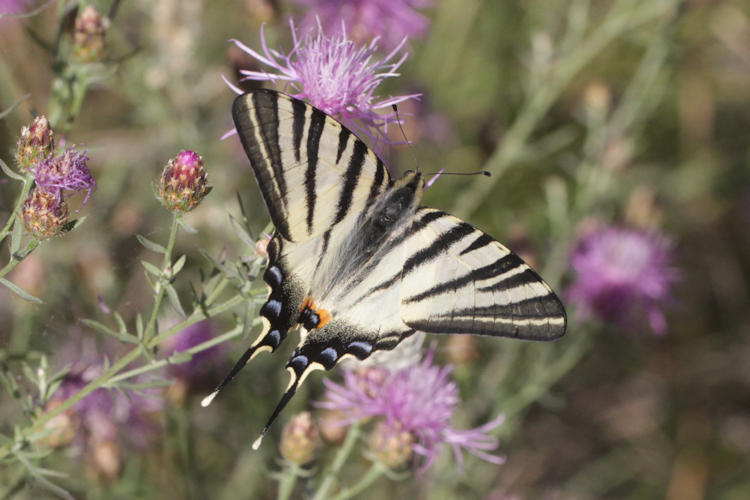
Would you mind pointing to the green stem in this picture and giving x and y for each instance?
(160, 289)
(15, 259)
(546, 376)
(288, 480)
(374, 473)
(164, 362)
(511, 147)
(119, 365)
(338, 462)
(27, 182)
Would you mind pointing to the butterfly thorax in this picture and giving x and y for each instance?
(374, 232)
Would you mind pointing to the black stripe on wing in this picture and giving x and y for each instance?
(501, 266)
(351, 178)
(314, 131)
(265, 161)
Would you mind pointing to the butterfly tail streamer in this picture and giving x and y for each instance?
(299, 367)
(266, 342)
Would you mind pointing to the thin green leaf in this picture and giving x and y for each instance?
(74, 224)
(9, 172)
(10, 108)
(174, 299)
(241, 233)
(26, 251)
(15, 238)
(179, 357)
(120, 322)
(139, 325)
(177, 267)
(99, 327)
(185, 226)
(20, 291)
(152, 268)
(151, 245)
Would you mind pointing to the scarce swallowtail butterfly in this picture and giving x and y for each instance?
(356, 263)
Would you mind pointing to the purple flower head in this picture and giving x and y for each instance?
(334, 75)
(103, 414)
(67, 172)
(201, 363)
(390, 21)
(623, 275)
(13, 6)
(419, 399)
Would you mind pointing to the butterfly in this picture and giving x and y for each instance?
(356, 263)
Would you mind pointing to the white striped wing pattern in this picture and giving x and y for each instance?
(356, 264)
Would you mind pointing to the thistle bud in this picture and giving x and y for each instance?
(183, 182)
(35, 144)
(391, 446)
(300, 439)
(44, 215)
(89, 35)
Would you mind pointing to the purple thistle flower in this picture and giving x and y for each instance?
(67, 172)
(334, 75)
(390, 21)
(622, 275)
(419, 399)
(102, 415)
(13, 6)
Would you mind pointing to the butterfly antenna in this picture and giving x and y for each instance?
(239, 365)
(408, 143)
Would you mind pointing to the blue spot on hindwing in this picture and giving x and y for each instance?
(273, 276)
(328, 357)
(271, 309)
(360, 349)
(273, 338)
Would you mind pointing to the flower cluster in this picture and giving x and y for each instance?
(415, 405)
(390, 21)
(45, 211)
(623, 275)
(335, 75)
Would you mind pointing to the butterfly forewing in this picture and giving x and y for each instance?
(457, 279)
(311, 170)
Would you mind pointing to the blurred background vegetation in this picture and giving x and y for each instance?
(654, 93)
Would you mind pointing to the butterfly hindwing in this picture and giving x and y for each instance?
(312, 171)
(458, 279)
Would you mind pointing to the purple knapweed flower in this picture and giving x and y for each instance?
(420, 400)
(623, 275)
(389, 20)
(65, 173)
(335, 75)
(13, 6)
(97, 425)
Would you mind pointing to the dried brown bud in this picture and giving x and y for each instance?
(44, 215)
(89, 35)
(300, 439)
(391, 446)
(36, 143)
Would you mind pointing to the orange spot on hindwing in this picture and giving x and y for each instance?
(312, 317)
